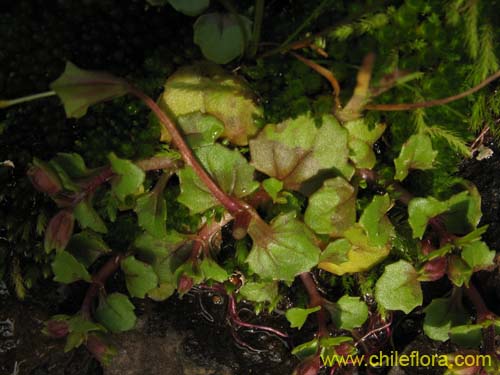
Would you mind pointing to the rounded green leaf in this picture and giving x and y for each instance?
(348, 312)
(478, 255)
(354, 253)
(200, 129)
(375, 222)
(398, 288)
(228, 168)
(190, 7)
(440, 316)
(222, 37)
(139, 276)
(116, 313)
(296, 150)
(67, 269)
(87, 246)
(297, 316)
(282, 251)
(151, 209)
(88, 217)
(332, 209)
(129, 176)
(416, 153)
(207, 89)
(361, 140)
(468, 336)
(260, 291)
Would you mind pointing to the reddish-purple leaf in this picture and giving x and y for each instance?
(184, 284)
(43, 178)
(100, 349)
(433, 269)
(59, 231)
(79, 89)
(57, 328)
(310, 366)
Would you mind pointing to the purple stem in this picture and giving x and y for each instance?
(235, 318)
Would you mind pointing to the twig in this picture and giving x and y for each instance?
(361, 95)
(325, 73)
(257, 26)
(98, 281)
(432, 103)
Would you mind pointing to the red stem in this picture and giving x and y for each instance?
(315, 299)
(235, 318)
(233, 205)
(483, 312)
(98, 281)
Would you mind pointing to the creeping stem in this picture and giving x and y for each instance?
(315, 299)
(233, 205)
(98, 281)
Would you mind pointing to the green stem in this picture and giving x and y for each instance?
(29, 98)
(257, 26)
(315, 14)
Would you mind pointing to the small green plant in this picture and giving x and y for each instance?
(337, 230)
(221, 36)
(306, 196)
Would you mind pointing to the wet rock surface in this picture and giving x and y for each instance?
(25, 350)
(182, 337)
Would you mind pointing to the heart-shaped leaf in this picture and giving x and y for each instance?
(296, 150)
(67, 269)
(351, 254)
(298, 316)
(222, 37)
(88, 217)
(375, 221)
(129, 176)
(398, 288)
(260, 291)
(151, 210)
(139, 276)
(283, 250)
(348, 312)
(116, 313)
(361, 140)
(462, 212)
(165, 254)
(478, 255)
(416, 153)
(206, 88)
(212, 271)
(228, 168)
(199, 129)
(332, 209)
(441, 315)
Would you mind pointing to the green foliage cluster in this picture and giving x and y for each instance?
(298, 178)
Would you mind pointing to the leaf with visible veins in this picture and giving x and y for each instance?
(282, 250)
(79, 89)
(296, 150)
